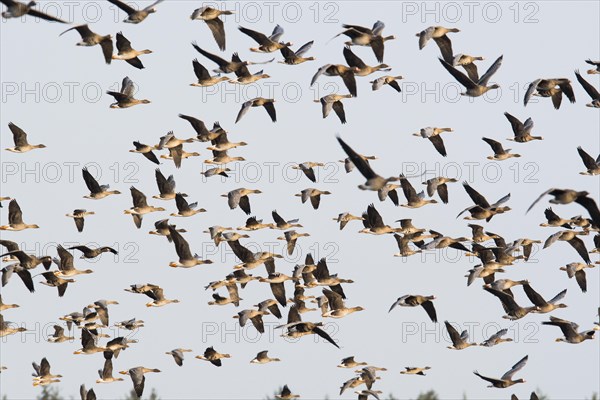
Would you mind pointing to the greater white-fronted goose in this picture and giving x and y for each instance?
(232, 298)
(244, 76)
(8, 328)
(211, 16)
(595, 64)
(294, 58)
(553, 220)
(4, 198)
(145, 150)
(204, 78)
(254, 316)
(334, 102)
(4, 306)
(78, 216)
(577, 270)
(97, 191)
(212, 356)
(269, 306)
(276, 281)
(296, 328)
(65, 264)
(177, 154)
(291, 237)
(258, 102)
(93, 253)
(249, 259)
(166, 186)
(184, 209)
(52, 280)
(222, 143)
(506, 379)
(403, 245)
(15, 9)
(124, 98)
(42, 375)
(373, 223)
(170, 141)
(408, 228)
(101, 307)
(550, 88)
(127, 53)
(286, 394)
(86, 394)
(415, 370)
(22, 272)
(337, 307)
(88, 344)
(439, 35)
(313, 194)
(135, 16)
(569, 330)
(178, 355)
(479, 235)
(140, 207)
(20, 141)
(433, 134)
(590, 90)
(441, 242)
(267, 44)
(521, 130)
(459, 341)
(391, 81)
(570, 237)
(346, 217)
(130, 324)
(468, 63)
(417, 300)
(253, 224)
(414, 199)
(157, 296)
(482, 208)
(59, 335)
(592, 166)
(344, 72)
(221, 157)
(364, 394)
(567, 196)
(349, 362)
(496, 338)
(263, 358)
(225, 66)
(216, 171)
(438, 184)
(202, 132)
(360, 68)
(182, 247)
(362, 36)
(500, 153)
(15, 219)
(352, 383)
(239, 197)
(474, 89)
(282, 224)
(89, 38)
(510, 306)
(137, 378)
(543, 305)
(596, 248)
(374, 181)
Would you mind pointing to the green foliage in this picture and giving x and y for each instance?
(49, 393)
(429, 395)
(132, 396)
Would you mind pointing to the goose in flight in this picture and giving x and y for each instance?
(263, 358)
(439, 185)
(500, 153)
(184, 209)
(415, 370)
(346, 217)
(417, 300)
(595, 64)
(474, 89)
(570, 237)
(239, 197)
(97, 191)
(360, 68)
(590, 90)
(127, 53)
(567, 196)
(543, 305)
(42, 375)
(140, 207)
(212, 356)
(286, 394)
(496, 338)
(89, 38)
(414, 199)
(506, 379)
(521, 130)
(308, 168)
(577, 270)
(482, 208)
(90, 253)
(124, 98)
(203, 77)
(294, 58)
(592, 166)
(468, 63)
(569, 330)
(344, 72)
(313, 194)
(145, 150)
(439, 35)
(459, 341)
(334, 102)
(225, 66)
(178, 355)
(362, 36)
(182, 247)
(138, 379)
(550, 88)
(510, 306)
(373, 223)
(267, 44)
(15, 9)
(267, 104)
(211, 16)
(20, 141)
(78, 216)
(135, 16)
(65, 264)
(391, 81)
(15, 219)
(433, 134)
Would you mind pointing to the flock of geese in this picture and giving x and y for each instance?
(315, 276)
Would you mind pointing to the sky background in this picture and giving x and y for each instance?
(55, 92)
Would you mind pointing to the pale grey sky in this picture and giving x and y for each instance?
(55, 92)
